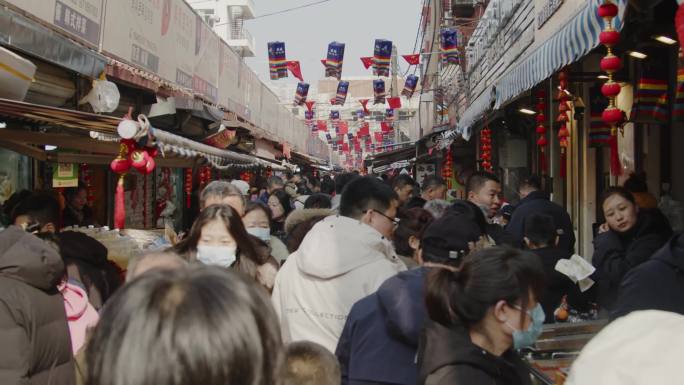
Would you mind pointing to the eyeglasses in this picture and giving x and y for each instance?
(395, 221)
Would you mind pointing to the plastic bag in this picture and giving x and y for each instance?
(104, 97)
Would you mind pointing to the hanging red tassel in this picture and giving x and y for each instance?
(615, 166)
(563, 164)
(542, 161)
(120, 204)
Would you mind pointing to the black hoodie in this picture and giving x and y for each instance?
(615, 254)
(657, 284)
(447, 356)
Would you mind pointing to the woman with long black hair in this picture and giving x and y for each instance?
(479, 313)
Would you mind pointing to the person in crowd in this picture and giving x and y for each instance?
(300, 222)
(194, 325)
(257, 221)
(281, 207)
(403, 185)
(303, 194)
(36, 347)
(218, 238)
(656, 284)
(81, 315)
(542, 239)
(223, 192)
(153, 261)
(308, 363)
(314, 184)
(292, 185)
(318, 201)
(341, 260)
(503, 216)
(636, 184)
(628, 238)
(38, 213)
(483, 189)
(9, 205)
(86, 262)
(380, 338)
(76, 211)
(242, 186)
(478, 314)
(434, 187)
(273, 183)
(643, 348)
(535, 201)
(408, 235)
(328, 185)
(437, 207)
(341, 182)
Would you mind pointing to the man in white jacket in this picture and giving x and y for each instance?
(341, 260)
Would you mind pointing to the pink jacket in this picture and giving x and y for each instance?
(81, 315)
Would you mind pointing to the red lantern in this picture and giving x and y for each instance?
(609, 38)
(607, 10)
(542, 142)
(612, 116)
(611, 63)
(611, 89)
(149, 167)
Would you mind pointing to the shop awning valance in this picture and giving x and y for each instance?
(54, 116)
(574, 40)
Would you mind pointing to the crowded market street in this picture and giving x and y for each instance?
(341, 192)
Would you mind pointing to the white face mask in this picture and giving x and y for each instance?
(263, 233)
(223, 256)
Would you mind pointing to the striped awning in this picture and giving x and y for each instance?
(569, 44)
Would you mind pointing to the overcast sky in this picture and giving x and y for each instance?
(307, 32)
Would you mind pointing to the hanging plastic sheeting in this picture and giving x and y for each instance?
(382, 57)
(301, 94)
(333, 64)
(379, 91)
(449, 45)
(277, 62)
(342, 89)
(410, 86)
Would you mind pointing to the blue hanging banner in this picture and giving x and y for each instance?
(301, 94)
(382, 57)
(342, 90)
(277, 61)
(410, 86)
(379, 91)
(334, 61)
(449, 46)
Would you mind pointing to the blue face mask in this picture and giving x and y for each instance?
(527, 338)
(263, 233)
(223, 256)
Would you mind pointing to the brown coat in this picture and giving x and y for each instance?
(35, 346)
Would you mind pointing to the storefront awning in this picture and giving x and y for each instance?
(47, 115)
(400, 158)
(574, 40)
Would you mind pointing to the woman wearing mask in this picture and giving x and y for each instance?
(407, 236)
(280, 205)
(257, 221)
(478, 314)
(628, 238)
(218, 238)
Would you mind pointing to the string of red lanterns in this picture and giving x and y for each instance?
(542, 142)
(563, 132)
(188, 187)
(447, 168)
(486, 149)
(610, 63)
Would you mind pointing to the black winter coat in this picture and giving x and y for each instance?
(657, 284)
(447, 356)
(558, 284)
(380, 338)
(615, 254)
(35, 346)
(537, 202)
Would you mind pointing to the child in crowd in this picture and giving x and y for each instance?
(308, 363)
